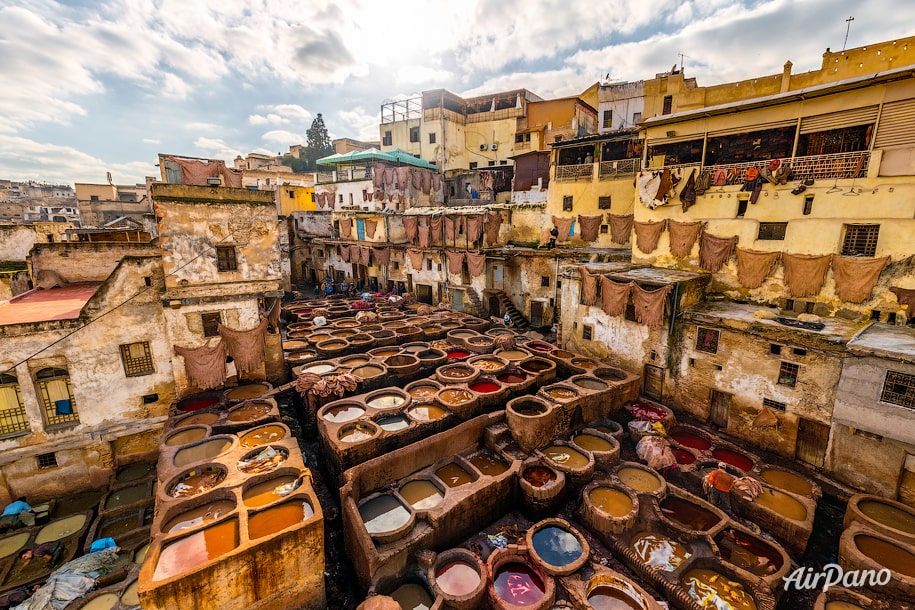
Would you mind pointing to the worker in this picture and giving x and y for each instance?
(717, 485)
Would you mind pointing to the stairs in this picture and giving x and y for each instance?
(518, 320)
(476, 308)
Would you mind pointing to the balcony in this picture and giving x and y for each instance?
(819, 167)
(622, 168)
(583, 172)
(345, 174)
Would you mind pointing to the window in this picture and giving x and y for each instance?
(520, 138)
(607, 119)
(630, 313)
(774, 404)
(12, 411)
(636, 117)
(899, 389)
(787, 374)
(707, 340)
(603, 203)
(429, 264)
(775, 349)
(860, 240)
(56, 396)
(544, 281)
(668, 104)
(772, 230)
(395, 265)
(414, 134)
(808, 306)
(587, 331)
(210, 323)
(567, 203)
(868, 435)
(147, 280)
(46, 460)
(291, 194)
(799, 352)
(225, 258)
(340, 198)
(604, 229)
(492, 163)
(789, 304)
(93, 197)
(431, 137)
(137, 359)
(742, 207)
(808, 205)
(386, 139)
(473, 165)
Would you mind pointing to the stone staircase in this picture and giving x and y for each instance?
(517, 318)
(476, 308)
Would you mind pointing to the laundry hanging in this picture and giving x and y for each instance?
(491, 224)
(246, 347)
(647, 235)
(476, 264)
(614, 296)
(753, 266)
(590, 227)
(715, 251)
(805, 273)
(683, 236)
(344, 253)
(346, 228)
(427, 182)
(449, 229)
(402, 177)
(649, 304)
(620, 228)
(588, 287)
(370, 226)
(378, 176)
(424, 235)
(564, 226)
(455, 261)
(204, 366)
(409, 226)
(435, 224)
(856, 277)
(365, 255)
(382, 255)
(416, 259)
(688, 193)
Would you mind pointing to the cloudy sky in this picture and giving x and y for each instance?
(89, 86)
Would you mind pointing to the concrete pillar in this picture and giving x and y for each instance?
(275, 365)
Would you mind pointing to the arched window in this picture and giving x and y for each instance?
(12, 413)
(56, 396)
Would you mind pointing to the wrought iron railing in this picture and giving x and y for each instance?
(621, 168)
(583, 172)
(819, 167)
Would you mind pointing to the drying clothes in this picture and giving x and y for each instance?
(346, 228)
(379, 195)
(204, 366)
(782, 174)
(688, 194)
(757, 189)
(721, 177)
(620, 228)
(649, 305)
(856, 277)
(564, 225)
(449, 228)
(378, 175)
(402, 177)
(424, 235)
(805, 273)
(455, 261)
(474, 228)
(715, 251)
(647, 235)
(476, 264)
(753, 266)
(436, 225)
(703, 182)
(491, 224)
(648, 184)
(426, 182)
(370, 226)
(246, 347)
(196, 172)
(590, 227)
(416, 259)
(409, 226)
(751, 174)
(437, 182)
(382, 255)
(683, 236)
(614, 296)
(905, 296)
(588, 287)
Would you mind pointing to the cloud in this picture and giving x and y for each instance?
(151, 141)
(358, 124)
(279, 114)
(217, 148)
(280, 136)
(204, 126)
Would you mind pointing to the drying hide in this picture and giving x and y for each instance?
(370, 226)
(491, 224)
(614, 296)
(346, 228)
(246, 347)
(455, 261)
(476, 264)
(416, 259)
(382, 255)
(436, 225)
(753, 266)
(683, 236)
(856, 277)
(649, 305)
(564, 225)
(425, 234)
(805, 273)
(647, 235)
(715, 251)
(590, 227)
(588, 287)
(409, 226)
(620, 228)
(204, 366)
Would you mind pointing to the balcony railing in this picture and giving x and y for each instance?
(818, 167)
(583, 172)
(345, 174)
(622, 168)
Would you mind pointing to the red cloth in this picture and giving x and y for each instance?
(424, 235)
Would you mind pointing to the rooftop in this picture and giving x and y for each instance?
(896, 342)
(62, 303)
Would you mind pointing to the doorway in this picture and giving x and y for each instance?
(457, 300)
(537, 313)
(494, 308)
(653, 382)
(812, 439)
(424, 293)
(360, 229)
(495, 277)
(719, 407)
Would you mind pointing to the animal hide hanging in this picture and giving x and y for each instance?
(856, 277)
(649, 305)
(620, 228)
(564, 226)
(805, 273)
(753, 266)
(683, 236)
(715, 251)
(590, 227)
(588, 287)
(614, 296)
(647, 235)
(246, 347)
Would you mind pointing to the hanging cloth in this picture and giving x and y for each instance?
(476, 264)
(370, 226)
(620, 228)
(409, 226)
(614, 296)
(649, 305)
(437, 182)
(416, 259)
(436, 226)
(590, 227)
(715, 251)
(346, 228)
(474, 228)
(588, 287)
(382, 255)
(667, 182)
(491, 224)
(416, 178)
(388, 176)
(753, 266)
(455, 261)
(246, 347)
(688, 194)
(424, 235)
(427, 182)
(344, 253)
(905, 296)
(648, 185)
(703, 182)
(449, 228)
(683, 236)
(563, 225)
(805, 273)
(402, 177)
(204, 366)
(856, 277)
(378, 176)
(647, 235)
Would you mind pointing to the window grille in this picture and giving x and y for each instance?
(707, 340)
(137, 359)
(46, 460)
(225, 258)
(787, 374)
(899, 389)
(587, 331)
(12, 412)
(56, 395)
(603, 203)
(860, 240)
(210, 323)
(774, 404)
(567, 203)
(772, 230)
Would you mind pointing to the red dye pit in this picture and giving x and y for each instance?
(535, 366)
(517, 584)
(538, 476)
(693, 441)
(734, 459)
(458, 354)
(485, 387)
(540, 347)
(511, 377)
(648, 412)
(196, 404)
(683, 457)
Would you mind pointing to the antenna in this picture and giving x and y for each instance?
(847, 28)
(682, 56)
(108, 175)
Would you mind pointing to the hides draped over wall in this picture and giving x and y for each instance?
(204, 366)
(424, 235)
(449, 228)
(491, 224)
(856, 277)
(563, 225)
(416, 259)
(647, 235)
(620, 228)
(715, 251)
(344, 254)
(409, 226)
(683, 236)
(905, 296)
(476, 264)
(614, 296)
(455, 261)
(590, 227)
(649, 305)
(753, 266)
(805, 273)
(378, 176)
(588, 287)
(474, 228)
(370, 226)
(346, 228)
(382, 255)
(246, 347)
(402, 177)
(436, 225)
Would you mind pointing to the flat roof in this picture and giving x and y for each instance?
(62, 303)
(884, 340)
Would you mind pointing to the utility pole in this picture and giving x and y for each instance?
(847, 28)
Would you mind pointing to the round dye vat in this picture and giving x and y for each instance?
(201, 419)
(840, 605)
(262, 436)
(412, 596)
(485, 387)
(539, 347)
(688, 514)
(539, 476)
(454, 475)
(248, 391)
(513, 354)
(733, 458)
(393, 423)
(455, 397)
(457, 578)
(318, 369)
(105, 601)
(203, 451)
(511, 378)
(788, 481)
(886, 554)
(518, 584)
(536, 366)
(426, 412)
(657, 550)
(529, 408)
(748, 552)
(559, 393)
(423, 392)
(457, 371)
(11, 544)
(356, 433)
(130, 596)
(386, 401)
(115, 528)
(430, 354)
(488, 364)
(127, 495)
(590, 442)
(683, 457)
(140, 556)
(343, 413)
(693, 441)
(198, 516)
(421, 494)
(782, 504)
(185, 437)
(196, 549)
(195, 404)
(456, 354)
(196, 482)
(888, 515)
(716, 590)
(383, 514)
(611, 501)
(640, 480)
(269, 491)
(385, 353)
(556, 546)
(487, 464)
(566, 456)
(278, 518)
(354, 361)
(649, 412)
(591, 384)
(250, 412)
(134, 472)
(585, 363)
(61, 528)
(368, 371)
(605, 597)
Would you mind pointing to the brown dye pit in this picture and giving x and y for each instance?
(393, 423)
(426, 412)
(267, 492)
(196, 549)
(250, 412)
(423, 392)
(203, 451)
(356, 433)
(457, 578)
(457, 372)
(528, 408)
(584, 363)
(511, 377)
(605, 597)
(130, 597)
(488, 464)
(11, 544)
(591, 384)
(748, 552)
(386, 401)
(566, 456)
(888, 515)
(127, 495)
(278, 518)
(412, 596)
(105, 601)
(196, 482)
(186, 436)
(343, 413)
(201, 419)
(422, 495)
(611, 501)
(365, 372)
(787, 481)
(383, 514)
(782, 504)
(561, 393)
(589, 442)
(199, 516)
(640, 480)
(688, 514)
(488, 365)
(888, 555)
(718, 589)
(354, 361)
(385, 353)
(840, 605)
(401, 360)
(456, 397)
(133, 472)
(454, 475)
(514, 354)
(262, 436)
(660, 551)
(539, 476)
(115, 528)
(246, 392)
(536, 366)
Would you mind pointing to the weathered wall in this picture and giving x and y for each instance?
(16, 241)
(871, 464)
(858, 402)
(85, 261)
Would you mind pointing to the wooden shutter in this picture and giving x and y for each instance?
(839, 120)
(897, 124)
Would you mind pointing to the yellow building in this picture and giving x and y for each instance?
(296, 199)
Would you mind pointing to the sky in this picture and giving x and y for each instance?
(89, 87)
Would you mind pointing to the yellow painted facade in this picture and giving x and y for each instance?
(296, 199)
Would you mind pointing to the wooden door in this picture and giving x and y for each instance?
(719, 407)
(457, 300)
(812, 439)
(536, 314)
(495, 277)
(653, 382)
(907, 481)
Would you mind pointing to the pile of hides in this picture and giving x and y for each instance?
(656, 452)
(71, 580)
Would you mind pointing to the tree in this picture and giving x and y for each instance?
(317, 143)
